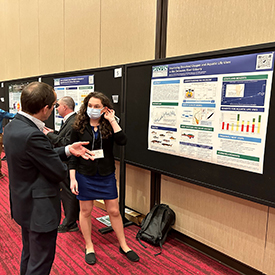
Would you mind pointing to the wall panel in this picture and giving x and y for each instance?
(12, 52)
(138, 189)
(29, 38)
(194, 26)
(51, 36)
(233, 226)
(269, 259)
(82, 34)
(127, 31)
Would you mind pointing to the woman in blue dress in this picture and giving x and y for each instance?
(95, 179)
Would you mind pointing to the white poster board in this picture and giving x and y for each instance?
(212, 110)
(78, 87)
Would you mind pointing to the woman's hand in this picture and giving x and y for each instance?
(74, 187)
(109, 114)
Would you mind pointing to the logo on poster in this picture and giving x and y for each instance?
(159, 71)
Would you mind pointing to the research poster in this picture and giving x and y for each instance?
(213, 110)
(15, 91)
(78, 87)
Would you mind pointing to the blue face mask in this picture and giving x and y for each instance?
(94, 113)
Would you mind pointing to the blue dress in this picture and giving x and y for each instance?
(96, 187)
(96, 179)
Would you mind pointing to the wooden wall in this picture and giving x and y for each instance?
(199, 26)
(41, 37)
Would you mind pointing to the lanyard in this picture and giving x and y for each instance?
(94, 138)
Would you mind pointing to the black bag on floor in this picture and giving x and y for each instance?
(156, 225)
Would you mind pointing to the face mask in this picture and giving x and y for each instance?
(94, 113)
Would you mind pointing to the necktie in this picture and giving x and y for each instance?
(62, 122)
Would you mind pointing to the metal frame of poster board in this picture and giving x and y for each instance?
(244, 184)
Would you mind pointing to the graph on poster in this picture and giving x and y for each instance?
(164, 116)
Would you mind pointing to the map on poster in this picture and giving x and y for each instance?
(213, 110)
(78, 87)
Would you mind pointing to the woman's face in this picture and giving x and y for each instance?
(95, 103)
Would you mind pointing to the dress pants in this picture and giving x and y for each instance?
(38, 252)
(70, 203)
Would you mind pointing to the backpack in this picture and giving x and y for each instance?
(156, 225)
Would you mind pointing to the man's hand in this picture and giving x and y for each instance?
(77, 149)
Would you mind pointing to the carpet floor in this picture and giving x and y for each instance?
(176, 258)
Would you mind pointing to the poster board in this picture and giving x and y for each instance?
(213, 110)
(106, 80)
(226, 75)
(15, 91)
(77, 87)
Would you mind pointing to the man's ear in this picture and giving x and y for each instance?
(45, 109)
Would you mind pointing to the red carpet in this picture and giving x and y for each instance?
(176, 258)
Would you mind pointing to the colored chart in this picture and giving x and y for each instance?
(241, 123)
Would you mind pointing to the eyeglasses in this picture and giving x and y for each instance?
(57, 105)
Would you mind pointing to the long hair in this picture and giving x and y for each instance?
(82, 119)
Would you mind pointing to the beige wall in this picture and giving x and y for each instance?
(199, 26)
(233, 226)
(41, 37)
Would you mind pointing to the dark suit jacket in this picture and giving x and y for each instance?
(35, 169)
(62, 137)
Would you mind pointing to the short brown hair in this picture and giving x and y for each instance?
(36, 96)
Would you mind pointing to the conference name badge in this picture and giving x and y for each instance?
(98, 154)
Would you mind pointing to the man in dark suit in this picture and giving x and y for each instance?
(35, 170)
(3, 114)
(65, 107)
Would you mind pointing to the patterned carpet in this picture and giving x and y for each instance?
(176, 258)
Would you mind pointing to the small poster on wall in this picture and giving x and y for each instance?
(15, 91)
(78, 87)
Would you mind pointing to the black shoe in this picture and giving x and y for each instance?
(90, 258)
(131, 255)
(63, 228)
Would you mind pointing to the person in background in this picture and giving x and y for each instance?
(35, 170)
(95, 179)
(3, 114)
(65, 107)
